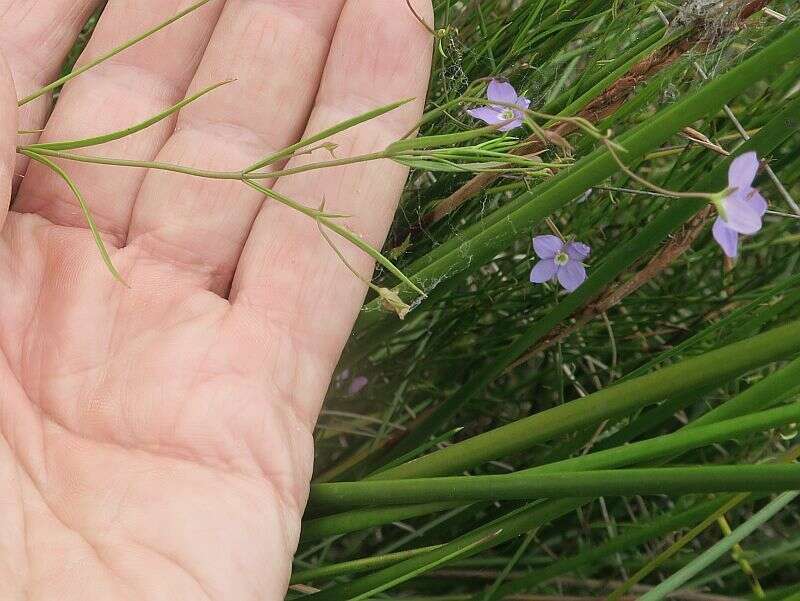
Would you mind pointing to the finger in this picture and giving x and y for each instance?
(8, 135)
(36, 37)
(276, 50)
(288, 274)
(134, 85)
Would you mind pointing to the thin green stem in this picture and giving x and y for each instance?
(336, 228)
(204, 173)
(359, 519)
(363, 158)
(683, 440)
(68, 156)
(326, 133)
(652, 186)
(101, 59)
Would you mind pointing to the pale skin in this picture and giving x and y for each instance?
(155, 441)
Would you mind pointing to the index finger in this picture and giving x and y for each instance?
(36, 38)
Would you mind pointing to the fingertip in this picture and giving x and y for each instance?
(381, 53)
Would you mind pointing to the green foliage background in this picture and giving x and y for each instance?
(452, 360)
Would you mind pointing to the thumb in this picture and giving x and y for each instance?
(8, 136)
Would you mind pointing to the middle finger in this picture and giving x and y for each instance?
(276, 51)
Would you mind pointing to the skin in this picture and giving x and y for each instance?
(155, 441)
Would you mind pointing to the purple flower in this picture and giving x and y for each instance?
(357, 385)
(501, 91)
(741, 207)
(559, 261)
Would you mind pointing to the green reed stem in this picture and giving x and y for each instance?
(359, 519)
(697, 372)
(685, 439)
(358, 565)
(531, 485)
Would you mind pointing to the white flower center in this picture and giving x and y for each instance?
(507, 114)
(561, 258)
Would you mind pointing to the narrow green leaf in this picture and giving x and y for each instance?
(95, 141)
(719, 549)
(98, 240)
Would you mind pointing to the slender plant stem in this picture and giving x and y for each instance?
(324, 134)
(80, 158)
(334, 227)
(531, 485)
(355, 566)
(101, 59)
(359, 519)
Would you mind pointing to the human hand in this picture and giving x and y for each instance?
(155, 441)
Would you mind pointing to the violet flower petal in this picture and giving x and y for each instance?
(510, 125)
(544, 271)
(577, 251)
(547, 246)
(486, 114)
(727, 239)
(571, 275)
(740, 216)
(757, 202)
(501, 91)
(743, 171)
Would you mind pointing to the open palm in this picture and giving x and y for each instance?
(155, 441)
